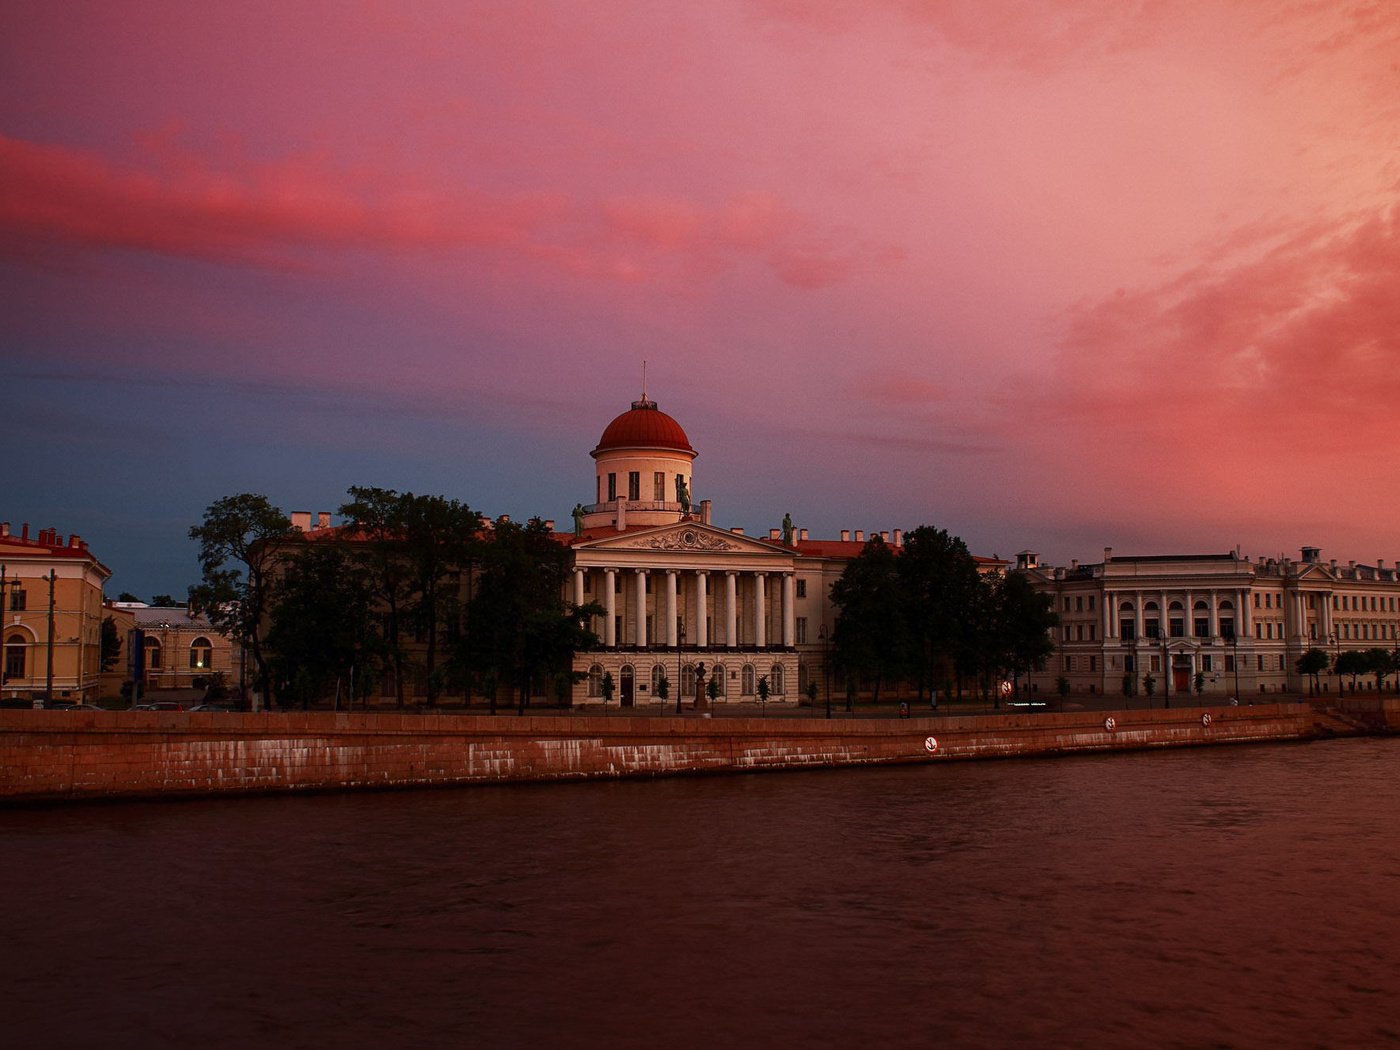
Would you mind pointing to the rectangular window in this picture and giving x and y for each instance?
(1230, 662)
(1227, 628)
(1093, 663)
(1067, 603)
(1256, 601)
(19, 601)
(1069, 663)
(802, 588)
(658, 486)
(612, 487)
(1156, 663)
(1091, 603)
(1079, 632)
(1282, 666)
(1079, 603)
(1202, 627)
(1129, 664)
(1178, 628)
(1260, 660)
(1093, 629)
(1206, 663)
(634, 484)
(802, 630)
(1149, 629)
(1128, 629)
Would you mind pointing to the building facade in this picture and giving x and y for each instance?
(172, 648)
(1225, 624)
(51, 598)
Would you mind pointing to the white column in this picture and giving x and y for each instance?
(1246, 629)
(578, 586)
(641, 607)
(1110, 616)
(760, 600)
(731, 609)
(672, 636)
(610, 607)
(789, 610)
(702, 630)
(1214, 615)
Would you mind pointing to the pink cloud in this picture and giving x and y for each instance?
(270, 214)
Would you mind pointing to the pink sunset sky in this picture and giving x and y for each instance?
(1055, 276)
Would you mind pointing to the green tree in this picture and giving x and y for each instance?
(1020, 639)
(949, 614)
(238, 551)
(1312, 663)
(127, 596)
(1379, 662)
(1352, 662)
(869, 640)
(763, 690)
(164, 601)
(111, 644)
(663, 687)
(1062, 686)
(1149, 686)
(1200, 683)
(712, 688)
(322, 626)
(520, 626)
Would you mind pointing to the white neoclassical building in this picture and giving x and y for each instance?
(684, 600)
(1232, 624)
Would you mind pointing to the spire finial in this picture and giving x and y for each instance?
(644, 379)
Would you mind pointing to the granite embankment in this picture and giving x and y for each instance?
(58, 755)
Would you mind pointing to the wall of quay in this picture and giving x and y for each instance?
(59, 755)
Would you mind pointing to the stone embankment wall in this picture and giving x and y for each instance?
(54, 754)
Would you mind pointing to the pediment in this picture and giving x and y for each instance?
(687, 537)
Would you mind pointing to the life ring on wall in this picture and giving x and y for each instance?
(1110, 723)
(1205, 720)
(931, 744)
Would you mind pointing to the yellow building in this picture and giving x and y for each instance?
(51, 596)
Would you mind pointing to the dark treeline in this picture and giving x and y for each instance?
(409, 590)
(927, 616)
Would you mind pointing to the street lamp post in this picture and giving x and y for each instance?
(1166, 667)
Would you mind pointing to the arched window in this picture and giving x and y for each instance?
(201, 654)
(1227, 604)
(775, 680)
(595, 680)
(1201, 607)
(658, 675)
(1126, 607)
(748, 684)
(1174, 607)
(720, 675)
(16, 649)
(688, 680)
(152, 654)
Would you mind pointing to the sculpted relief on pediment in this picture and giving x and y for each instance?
(685, 540)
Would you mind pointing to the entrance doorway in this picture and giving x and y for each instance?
(1181, 680)
(627, 686)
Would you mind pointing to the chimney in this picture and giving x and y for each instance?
(737, 531)
(705, 507)
(1073, 564)
(549, 524)
(24, 531)
(1026, 560)
(899, 537)
(775, 534)
(802, 535)
(885, 535)
(75, 541)
(845, 535)
(301, 520)
(4, 528)
(323, 519)
(621, 520)
(1107, 555)
(860, 535)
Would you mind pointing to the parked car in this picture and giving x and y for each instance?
(82, 707)
(142, 707)
(210, 707)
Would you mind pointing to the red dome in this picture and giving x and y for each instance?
(644, 426)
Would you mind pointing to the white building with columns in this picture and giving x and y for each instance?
(683, 598)
(1240, 623)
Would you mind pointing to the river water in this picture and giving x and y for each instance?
(1217, 897)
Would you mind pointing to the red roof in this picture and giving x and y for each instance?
(644, 426)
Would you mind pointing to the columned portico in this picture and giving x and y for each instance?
(610, 607)
(702, 619)
(760, 619)
(789, 609)
(731, 608)
(672, 638)
(641, 608)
